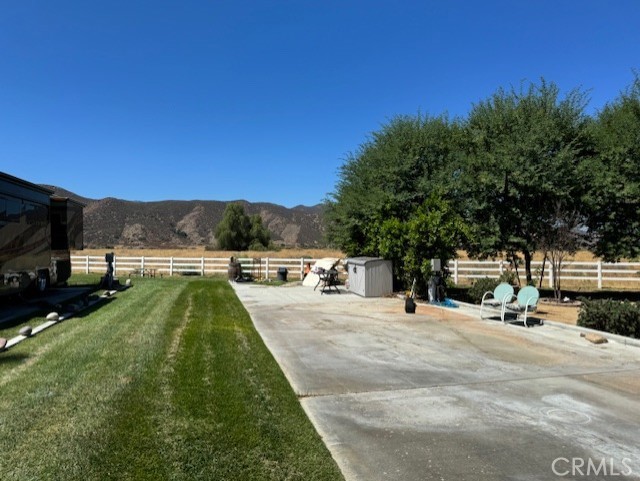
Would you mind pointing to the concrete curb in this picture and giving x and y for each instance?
(49, 323)
(627, 341)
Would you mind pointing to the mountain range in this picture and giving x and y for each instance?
(111, 222)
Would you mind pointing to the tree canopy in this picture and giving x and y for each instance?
(526, 149)
(502, 181)
(390, 176)
(396, 186)
(615, 196)
(237, 231)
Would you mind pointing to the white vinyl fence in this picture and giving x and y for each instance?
(462, 271)
(259, 268)
(596, 272)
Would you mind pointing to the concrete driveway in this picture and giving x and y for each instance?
(443, 395)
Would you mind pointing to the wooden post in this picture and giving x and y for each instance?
(202, 266)
(142, 266)
(266, 274)
(170, 266)
(87, 265)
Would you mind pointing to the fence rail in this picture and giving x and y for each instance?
(596, 272)
(462, 271)
(260, 268)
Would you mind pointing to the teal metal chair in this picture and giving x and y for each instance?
(526, 302)
(497, 298)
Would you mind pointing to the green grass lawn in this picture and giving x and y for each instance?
(169, 380)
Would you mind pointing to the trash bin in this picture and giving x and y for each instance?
(282, 274)
(232, 271)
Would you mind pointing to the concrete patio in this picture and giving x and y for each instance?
(444, 395)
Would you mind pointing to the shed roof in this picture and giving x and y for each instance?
(361, 260)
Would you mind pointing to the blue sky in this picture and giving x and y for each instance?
(264, 100)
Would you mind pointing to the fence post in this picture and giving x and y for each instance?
(455, 271)
(458, 267)
(599, 274)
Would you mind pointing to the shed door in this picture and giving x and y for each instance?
(357, 279)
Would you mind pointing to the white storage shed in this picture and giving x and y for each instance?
(370, 276)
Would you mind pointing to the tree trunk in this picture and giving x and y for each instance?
(544, 263)
(513, 259)
(527, 265)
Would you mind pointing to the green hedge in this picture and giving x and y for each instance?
(480, 286)
(616, 317)
(485, 284)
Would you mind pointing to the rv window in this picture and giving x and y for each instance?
(36, 214)
(13, 209)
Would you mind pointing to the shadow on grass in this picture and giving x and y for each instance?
(93, 308)
(10, 358)
(10, 328)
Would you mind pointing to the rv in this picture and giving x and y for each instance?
(37, 232)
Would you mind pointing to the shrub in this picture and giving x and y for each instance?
(509, 277)
(616, 317)
(257, 246)
(480, 286)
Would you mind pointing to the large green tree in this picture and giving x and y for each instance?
(259, 234)
(615, 194)
(237, 231)
(385, 184)
(526, 155)
(389, 176)
(527, 170)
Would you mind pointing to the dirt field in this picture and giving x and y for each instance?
(580, 256)
(284, 253)
(567, 314)
(201, 252)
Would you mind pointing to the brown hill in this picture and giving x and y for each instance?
(113, 222)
